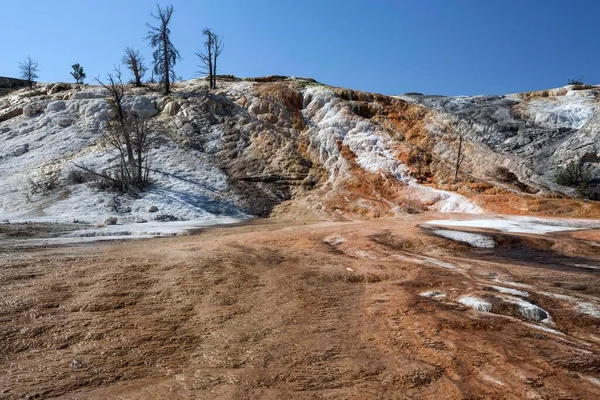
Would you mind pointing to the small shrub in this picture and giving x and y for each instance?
(591, 192)
(554, 196)
(572, 175)
(43, 183)
(166, 218)
(105, 183)
(479, 187)
(494, 191)
(77, 177)
(576, 81)
(504, 174)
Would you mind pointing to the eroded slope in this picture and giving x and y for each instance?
(310, 150)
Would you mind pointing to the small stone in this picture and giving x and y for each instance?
(19, 150)
(76, 364)
(166, 218)
(63, 122)
(110, 221)
(33, 109)
(153, 209)
(172, 108)
(58, 87)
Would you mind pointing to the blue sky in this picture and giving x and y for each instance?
(431, 46)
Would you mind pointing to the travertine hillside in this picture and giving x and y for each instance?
(296, 148)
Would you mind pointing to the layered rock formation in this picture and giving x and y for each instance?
(294, 147)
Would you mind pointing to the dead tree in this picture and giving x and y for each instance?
(117, 133)
(213, 46)
(29, 69)
(459, 156)
(206, 58)
(217, 49)
(129, 134)
(165, 54)
(134, 62)
(142, 134)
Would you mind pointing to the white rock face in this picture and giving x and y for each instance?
(56, 106)
(433, 294)
(530, 134)
(514, 292)
(90, 93)
(44, 144)
(334, 122)
(518, 224)
(567, 111)
(475, 303)
(473, 239)
(33, 109)
(142, 105)
(529, 311)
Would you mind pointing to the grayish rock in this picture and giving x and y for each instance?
(111, 221)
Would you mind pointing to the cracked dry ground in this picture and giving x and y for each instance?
(276, 310)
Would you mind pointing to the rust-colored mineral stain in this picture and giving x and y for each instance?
(280, 310)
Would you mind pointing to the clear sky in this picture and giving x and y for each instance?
(431, 46)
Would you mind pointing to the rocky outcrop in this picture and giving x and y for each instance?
(58, 87)
(532, 135)
(12, 83)
(270, 145)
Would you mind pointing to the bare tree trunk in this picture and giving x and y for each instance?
(458, 158)
(209, 45)
(214, 85)
(419, 172)
(217, 48)
(136, 72)
(166, 63)
(140, 176)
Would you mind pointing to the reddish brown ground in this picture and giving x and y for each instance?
(287, 310)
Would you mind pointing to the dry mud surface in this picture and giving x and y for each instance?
(382, 309)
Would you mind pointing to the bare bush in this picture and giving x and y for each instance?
(131, 135)
(44, 183)
(134, 62)
(575, 81)
(77, 176)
